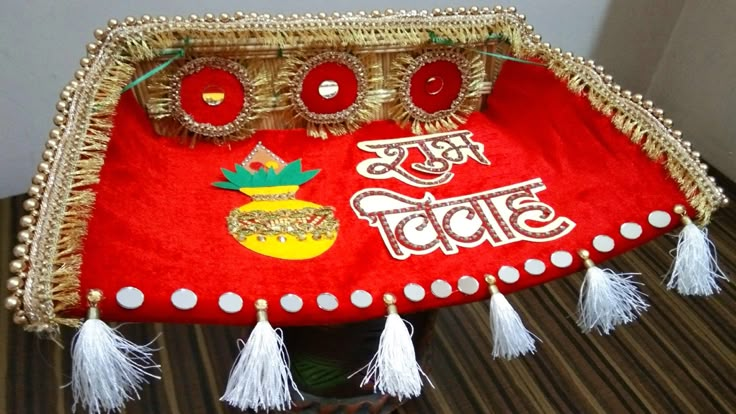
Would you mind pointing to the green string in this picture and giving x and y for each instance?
(178, 54)
(492, 36)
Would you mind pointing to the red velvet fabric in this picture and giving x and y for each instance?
(443, 71)
(347, 85)
(192, 87)
(159, 225)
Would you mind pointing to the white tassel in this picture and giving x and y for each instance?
(260, 378)
(511, 339)
(394, 369)
(107, 369)
(695, 270)
(607, 299)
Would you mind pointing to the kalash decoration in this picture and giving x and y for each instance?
(440, 158)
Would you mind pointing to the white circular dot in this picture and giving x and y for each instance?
(508, 274)
(561, 259)
(603, 243)
(129, 297)
(291, 303)
(468, 285)
(441, 288)
(361, 299)
(327, 301)
(631, 231)
(534, 267)
(659, 219)
(414, 292)
(230, 302)
(184, 299)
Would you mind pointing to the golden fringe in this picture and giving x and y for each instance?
(401, 68)
(365, 111)
(160, 106)
(634, 121)
(73, 228)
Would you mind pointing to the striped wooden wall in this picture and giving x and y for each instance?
(679, 358)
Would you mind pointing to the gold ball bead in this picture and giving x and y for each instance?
(34, 191)
(686, 144)
(99, 34)
(14, 283)
(667, 122)
(193, 18)
(511, 9)
(608, 78)
(626, 94)
(92, 47)
(209, 17)
(704, 166)
(94, 296)
(725, 201)
(521, 17)
(55, 133)
(61, 106)
(529, 28)
(322, 15)
(239, 14)
(112, 23)
(474, 9)
(658, 112)
(73, 85)
(584, 254)
(695, 154)
(436, 11)
(20, 250)
(12, 302)
(536, 38)
(52, 144)
(84, 62)
(389, 12)
(255, 15)
(80, 74)
(30, 204)
(178, 19)
(24, 236)
(224, 17)
(47, 155)
(59, 120)
(26, 221)
(389, 299)
(146, 18)
(497, 9)
(16, 266)
(648, 104)
(638, 97)
(65, 95)
(261, 304)
(20, 319)
(38, 179)
(679, 209)
(44, 167)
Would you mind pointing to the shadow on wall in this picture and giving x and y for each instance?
(632, 39)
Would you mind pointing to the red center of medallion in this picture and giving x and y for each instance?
(435, 86)
(340, 96)
(200, 90)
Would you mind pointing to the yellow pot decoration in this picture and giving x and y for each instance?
(275, 223)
